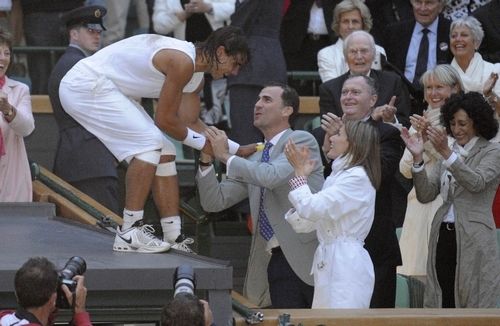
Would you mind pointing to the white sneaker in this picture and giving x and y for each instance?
(181, 243)
(139, 239)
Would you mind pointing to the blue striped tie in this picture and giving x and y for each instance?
(264, 227)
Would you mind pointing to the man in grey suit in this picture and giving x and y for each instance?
(280, 260)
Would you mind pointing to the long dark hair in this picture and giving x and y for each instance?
(233, 41)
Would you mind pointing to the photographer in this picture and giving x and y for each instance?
(186, 310)
(36, 284)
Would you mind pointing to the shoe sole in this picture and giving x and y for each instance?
(139, 250)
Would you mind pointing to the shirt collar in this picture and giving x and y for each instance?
(276, 138)
(432, 27)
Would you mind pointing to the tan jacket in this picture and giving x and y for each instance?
(477, 277)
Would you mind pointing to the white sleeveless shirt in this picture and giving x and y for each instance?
(129, 64)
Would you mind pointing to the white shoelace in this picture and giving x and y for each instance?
(184, 245)
(148, 231)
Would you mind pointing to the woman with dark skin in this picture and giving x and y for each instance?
(462, 265)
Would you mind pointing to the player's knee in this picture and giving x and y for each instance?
(166, 169)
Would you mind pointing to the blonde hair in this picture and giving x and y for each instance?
(444, 74)
(350, 5)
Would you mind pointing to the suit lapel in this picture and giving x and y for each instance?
(443, 40)
(278, 148)
(471, 161)
(407, 33)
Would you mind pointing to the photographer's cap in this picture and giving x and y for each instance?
(89, 16)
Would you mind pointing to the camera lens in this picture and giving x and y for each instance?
(184, 280)
(75, 266)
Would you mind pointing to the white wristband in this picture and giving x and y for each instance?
(194, 140)
(233, 146)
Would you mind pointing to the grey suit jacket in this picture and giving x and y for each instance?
(245, 178)
(477, 279)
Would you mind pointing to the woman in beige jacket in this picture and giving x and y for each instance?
(463, 262)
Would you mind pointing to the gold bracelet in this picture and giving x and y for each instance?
(10, 113)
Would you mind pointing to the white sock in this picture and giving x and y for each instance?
(171, 227)
(130, 217)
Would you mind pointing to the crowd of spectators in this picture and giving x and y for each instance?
(432, 78)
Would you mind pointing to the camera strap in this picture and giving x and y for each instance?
(26, 315)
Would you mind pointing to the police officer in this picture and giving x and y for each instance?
(81, 159)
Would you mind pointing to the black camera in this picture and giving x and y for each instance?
(184, 280)
(75, 266)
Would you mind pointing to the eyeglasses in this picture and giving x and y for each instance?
(354, 52)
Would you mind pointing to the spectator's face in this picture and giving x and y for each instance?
(88, 39)
(338, 144)
(426, 11)
(4, 59)
(350, 21)
(356, 99)
(227, 66)
(269, 111)
(436, 92)
(462, 43)
(360, 55)
(462, 127)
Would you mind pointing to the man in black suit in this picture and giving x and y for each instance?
(360, 53)
(402, 43)
(489, 16)
(81, 158)
(358, 97)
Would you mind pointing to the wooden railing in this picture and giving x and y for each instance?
(379, 317)
(41, 104)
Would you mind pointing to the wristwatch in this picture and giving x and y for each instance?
(418, 165)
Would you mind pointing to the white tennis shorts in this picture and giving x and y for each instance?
(120, 122)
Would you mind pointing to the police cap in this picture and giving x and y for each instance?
(89, 16)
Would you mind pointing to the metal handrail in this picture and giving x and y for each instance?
(33, 49)
(103, 221)
(303, 75)
(53, 51)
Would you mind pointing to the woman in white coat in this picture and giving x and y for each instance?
(341, 213)
(348, 16)
(439, 84)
